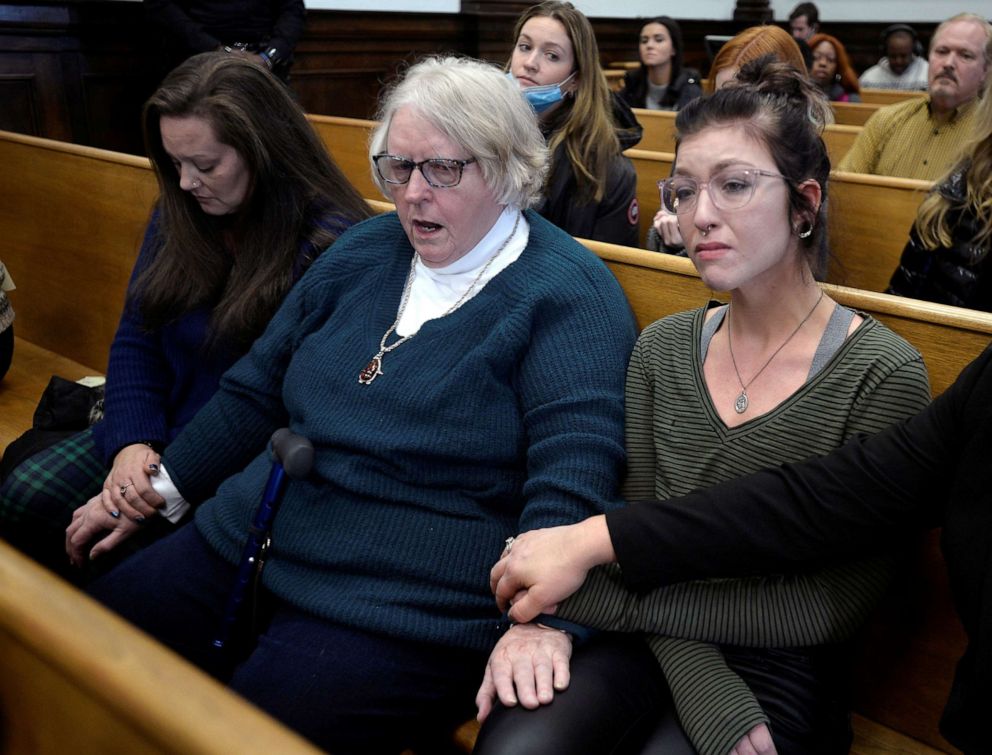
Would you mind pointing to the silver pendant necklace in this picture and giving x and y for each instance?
(741, 403)
(373, 369)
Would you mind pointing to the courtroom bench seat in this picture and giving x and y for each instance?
(659, 134)
(884, 97)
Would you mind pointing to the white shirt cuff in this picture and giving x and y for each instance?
(175, 505)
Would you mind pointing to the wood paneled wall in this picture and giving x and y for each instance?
(79, 71)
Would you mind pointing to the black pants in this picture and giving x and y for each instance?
(618, 703)
(611, 706)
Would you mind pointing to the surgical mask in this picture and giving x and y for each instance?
(543, 97)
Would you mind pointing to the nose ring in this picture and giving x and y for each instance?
(195, 184)
(706, 230)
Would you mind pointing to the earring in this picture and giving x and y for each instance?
(805, 234)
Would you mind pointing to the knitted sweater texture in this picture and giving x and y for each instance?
(503, 416)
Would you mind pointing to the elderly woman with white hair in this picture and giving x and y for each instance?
(458, 366)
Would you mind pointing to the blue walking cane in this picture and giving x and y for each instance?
(292, 456)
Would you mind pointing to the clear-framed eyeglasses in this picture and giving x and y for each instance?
(730, 189)
(439, 172)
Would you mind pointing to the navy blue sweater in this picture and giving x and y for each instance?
(503, 416)
(157, 381)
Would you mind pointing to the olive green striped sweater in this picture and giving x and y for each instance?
(676, 443)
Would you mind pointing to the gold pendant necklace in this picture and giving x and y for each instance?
(740, 405)
(374, 368)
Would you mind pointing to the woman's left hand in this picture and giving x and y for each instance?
(91, 520)
(527, 665)
(758, 741)
(129, 483)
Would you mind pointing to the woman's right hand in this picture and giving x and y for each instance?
(91, 520)
(667, 226)
(528, 665)
(131, 473)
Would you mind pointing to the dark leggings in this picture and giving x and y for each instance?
(618, 703)
(610, 707)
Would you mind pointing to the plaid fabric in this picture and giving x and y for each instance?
(38, 497)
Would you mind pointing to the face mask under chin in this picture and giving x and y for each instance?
(544, 96)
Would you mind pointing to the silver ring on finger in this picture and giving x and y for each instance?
(509, 544)
(124, 490)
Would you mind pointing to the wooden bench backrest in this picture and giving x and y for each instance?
(885, 97)
(347, 139)
(614, 78)
(948, 337)
(659, 134)
(869, 218)
(72, 220)
(76, 678)
(853, 113)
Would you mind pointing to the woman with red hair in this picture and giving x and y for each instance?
(832, 69)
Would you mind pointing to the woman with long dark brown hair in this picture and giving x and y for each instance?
(248, 198)
(661, 82)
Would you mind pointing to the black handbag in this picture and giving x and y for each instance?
(65, 408)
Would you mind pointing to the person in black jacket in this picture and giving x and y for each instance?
(266, 29)
(661, 83)
(947, 257)
(591, 190)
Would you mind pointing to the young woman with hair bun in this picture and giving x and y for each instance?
(780, 373)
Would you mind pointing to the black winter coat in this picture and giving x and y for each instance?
(958, 274)
(680, 92)
(614, 219)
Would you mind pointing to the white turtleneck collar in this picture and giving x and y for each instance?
(435, 290)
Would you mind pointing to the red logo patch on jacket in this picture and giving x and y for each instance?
(633, 212)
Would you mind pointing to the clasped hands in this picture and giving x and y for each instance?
(125, 502)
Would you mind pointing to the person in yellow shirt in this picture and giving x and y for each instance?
(921, 138)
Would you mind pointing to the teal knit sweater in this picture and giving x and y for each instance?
(503, 416)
